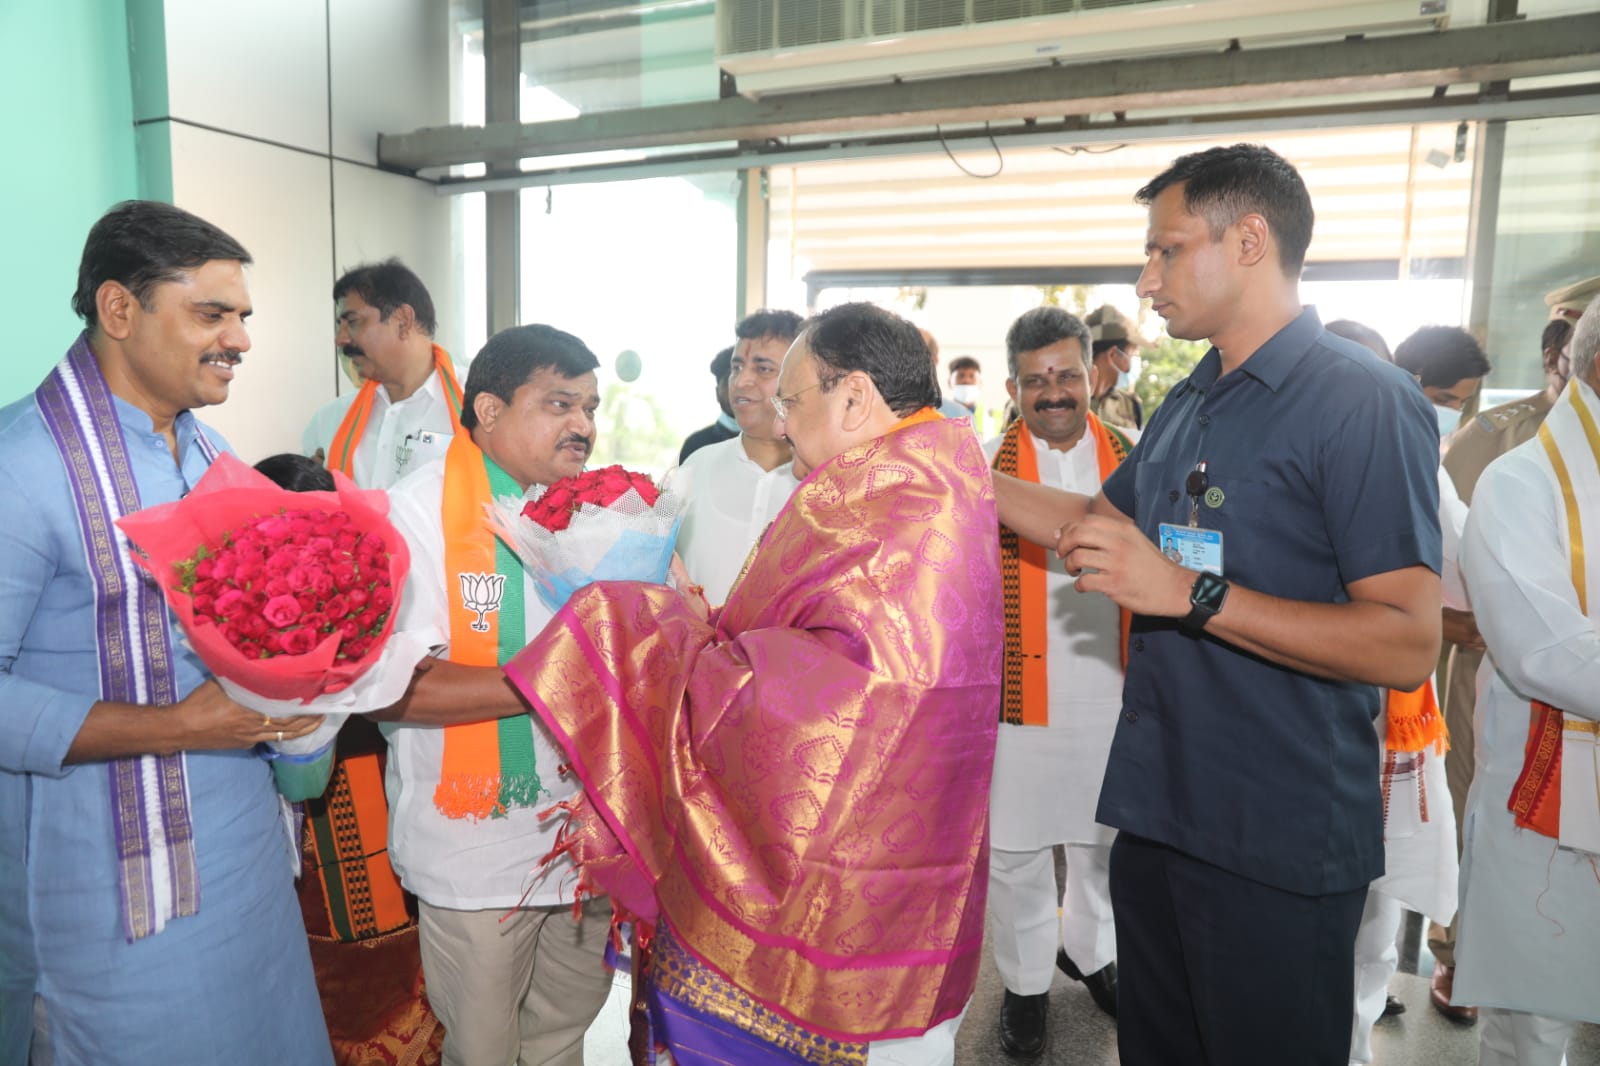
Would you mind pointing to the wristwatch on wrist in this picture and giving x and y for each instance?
(1206, 596)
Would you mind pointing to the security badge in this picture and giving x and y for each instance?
(1193, 546)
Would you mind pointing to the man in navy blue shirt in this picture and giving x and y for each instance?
(1293, 476)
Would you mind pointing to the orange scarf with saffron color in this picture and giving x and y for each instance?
(488, 766)
(1024, 696)
(342, 452)
(1414, 721)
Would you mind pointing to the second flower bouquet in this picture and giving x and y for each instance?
(609, 524)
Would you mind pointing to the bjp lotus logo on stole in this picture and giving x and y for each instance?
(481, 593)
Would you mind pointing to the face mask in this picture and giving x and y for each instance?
(964, 394)
(1124, 380)
(1448, 418)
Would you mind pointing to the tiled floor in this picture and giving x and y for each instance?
(1082, 1036)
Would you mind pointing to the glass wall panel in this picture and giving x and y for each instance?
(1547, 236)
(642, 266)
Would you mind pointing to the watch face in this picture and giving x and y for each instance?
(1208, 592)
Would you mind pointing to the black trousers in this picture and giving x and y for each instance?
(1217, 969)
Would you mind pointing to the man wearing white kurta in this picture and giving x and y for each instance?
(732, 490)
(1047, 772)
(1528, 950)
(1419, 831)
(510, 973)
(408, 406)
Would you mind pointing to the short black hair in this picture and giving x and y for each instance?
(722, 364)
(141, 244)
(387, 286)
(784, 325)
(1042, 327)
(884, 346)
(1364, 335)
(964, 362)
(1222, 185)
(513, 355)
(1441, 355)
(1100, 348)
(297, 473)
(1557, 332)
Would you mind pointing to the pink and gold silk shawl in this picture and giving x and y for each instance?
(801, 791)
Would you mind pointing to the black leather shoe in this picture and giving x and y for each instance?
(1391, 1007)
(1102, 984)
(1022, 1024)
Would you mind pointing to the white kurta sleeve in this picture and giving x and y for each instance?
(1521, 589)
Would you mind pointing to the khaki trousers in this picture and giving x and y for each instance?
(518, 992)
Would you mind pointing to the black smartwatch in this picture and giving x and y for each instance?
(1206, 596)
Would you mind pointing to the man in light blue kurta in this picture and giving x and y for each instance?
(226, 980)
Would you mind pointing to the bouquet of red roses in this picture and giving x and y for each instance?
(601, 525)
(288, 597)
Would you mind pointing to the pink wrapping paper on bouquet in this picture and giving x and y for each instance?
(227, 498)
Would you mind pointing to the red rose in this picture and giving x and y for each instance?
(273, 527)
(282, 611)
(646, 488)
(307, 600)
(346, 540)
(277, 587)
(346, 577)
(299, 640)
(336, 606)
(231, 605)
(300, 577)
(322, 546)
(232, 633)
(368, 619)
(222, 566)
(316, 621)
(356, 597)
(204, 570)
(251, 650)
(382, 598)
(204, 605)
(322, 584)
(255, 627)
(348, 629)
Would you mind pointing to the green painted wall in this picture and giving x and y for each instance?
(68, 124)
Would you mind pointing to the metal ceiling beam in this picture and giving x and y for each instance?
(1406, 61)
(1542, 103)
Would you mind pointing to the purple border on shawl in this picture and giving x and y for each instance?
(697, 1037)
(115, 645)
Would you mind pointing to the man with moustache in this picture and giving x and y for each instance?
(147, 907)
(732, 490)
(409, 404)
(1296, 473)
(1060, 700)
(510, 972)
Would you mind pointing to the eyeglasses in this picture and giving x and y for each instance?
(781, 404)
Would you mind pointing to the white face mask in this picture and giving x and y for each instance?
(1449, 418)
(966, 395)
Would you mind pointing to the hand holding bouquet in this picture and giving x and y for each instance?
(288, 597)
(601, 525)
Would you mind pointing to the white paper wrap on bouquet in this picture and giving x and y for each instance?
(627, 540)
(377, 688)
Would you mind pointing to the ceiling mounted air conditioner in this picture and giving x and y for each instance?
(775, 46)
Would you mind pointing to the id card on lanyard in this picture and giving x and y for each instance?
(1193, 546)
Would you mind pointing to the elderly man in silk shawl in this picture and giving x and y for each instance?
(791, 796)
